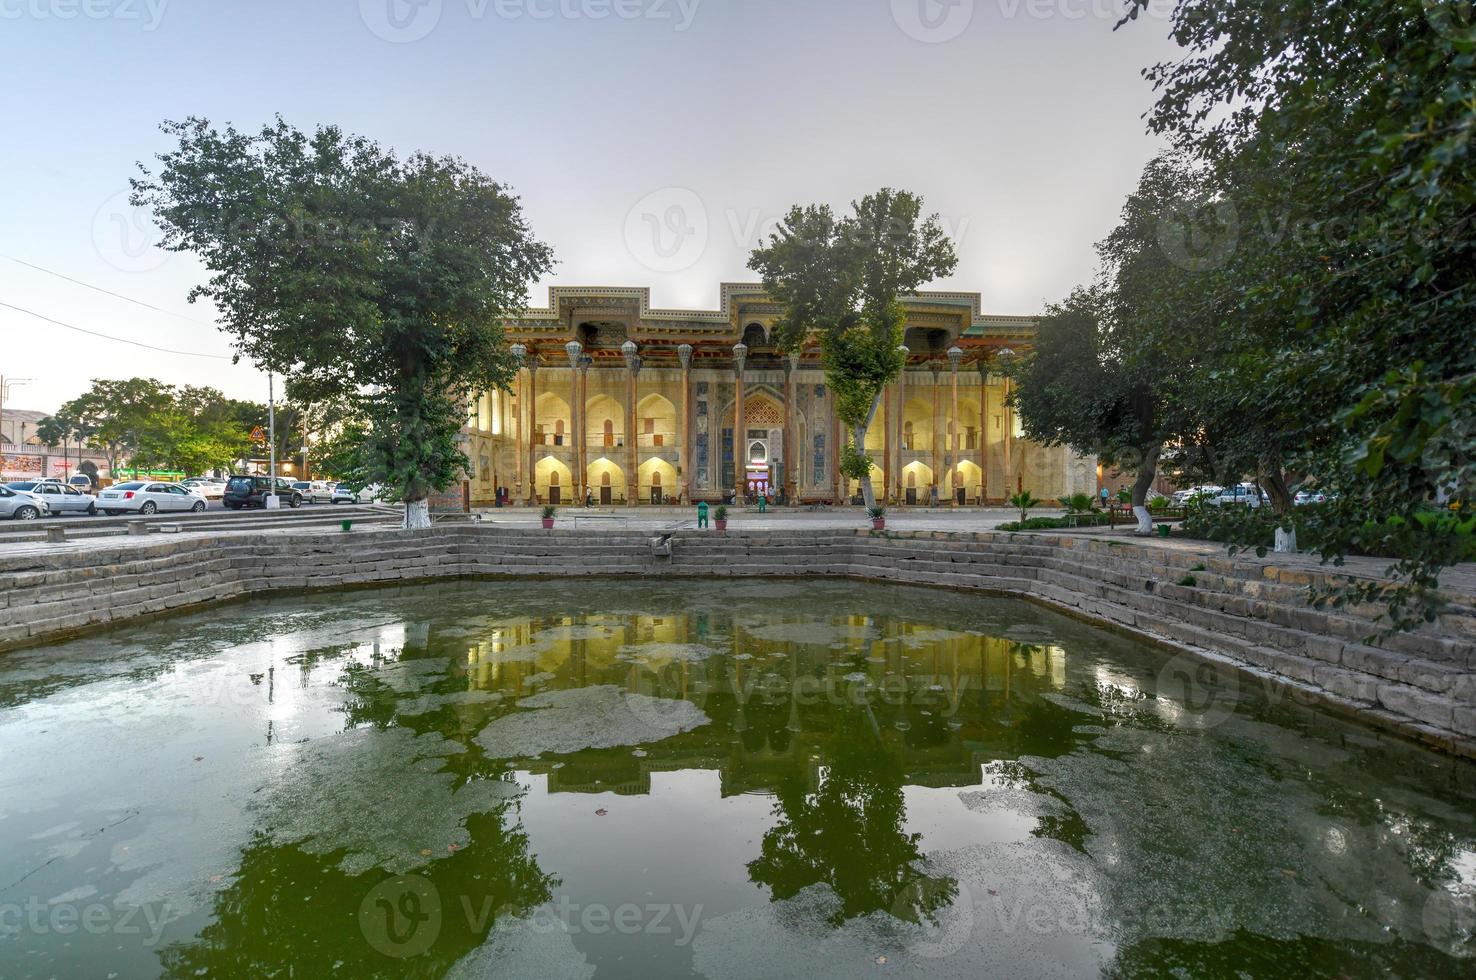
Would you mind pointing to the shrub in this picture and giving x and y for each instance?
(1024, 501)
(549, 510)
(876, 513)
(720, 513)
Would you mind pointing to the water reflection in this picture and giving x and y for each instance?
(852, 759)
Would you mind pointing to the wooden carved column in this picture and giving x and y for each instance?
(983, 431)
(955, 461)
(632, 453)
(792, 455)
(898, 493)
(936, 458)
(684, 424)
(519, 353)
(740, 431)
(575, 351)
(533, 439)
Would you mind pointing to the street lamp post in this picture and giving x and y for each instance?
(270, 500)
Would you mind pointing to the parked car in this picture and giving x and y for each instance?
(314, 491)
(1309, 497)
(208, 489)
(1243, 494)
(21, 506)
(61, 498)
(146, 497)
(1182, 497)
(345, 494)
(82, 482)
(251, 491)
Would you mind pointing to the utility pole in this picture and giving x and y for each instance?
(4, 392)
(272, 503)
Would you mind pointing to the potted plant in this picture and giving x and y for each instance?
(878, 515)
(548, 516)
(720, 517)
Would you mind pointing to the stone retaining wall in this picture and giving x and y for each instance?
(1249, 614)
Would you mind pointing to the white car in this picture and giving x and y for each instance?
(209, 489)
(145, 497)
(61, 497)
(342, 494)
(314, 491)
(1244, 494)
(1182, 497)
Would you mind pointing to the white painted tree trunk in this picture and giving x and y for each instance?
(417, 515)
(1286, 541)
(1145, 520)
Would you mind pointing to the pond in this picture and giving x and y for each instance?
(712, 778)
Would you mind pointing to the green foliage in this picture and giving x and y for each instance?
(839, 279)
(549, 510)
(876, 513)
(720, 513)
(157, 426)
(358, 276)
(854, 465)
(1024, 502)
(1290, 290)
(1078, 503)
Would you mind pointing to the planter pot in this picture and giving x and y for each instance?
(878, 523)
(548, 523)
(720, 525)
(348, 525)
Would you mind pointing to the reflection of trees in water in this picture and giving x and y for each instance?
(849, 834)
(294, 914)
(1250, 957)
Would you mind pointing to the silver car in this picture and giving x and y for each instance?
(21, 506)
(61, 498)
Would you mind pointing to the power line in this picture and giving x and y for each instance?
(107, 292)
(121, 340)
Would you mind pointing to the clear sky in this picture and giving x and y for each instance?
(651, 141)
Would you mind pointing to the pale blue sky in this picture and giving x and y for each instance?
(1020, 121)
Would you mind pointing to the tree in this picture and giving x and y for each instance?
(120, 415)
(1114, 368)
(841, 280)
(56, 430)
(1357, 116)
(356, 275)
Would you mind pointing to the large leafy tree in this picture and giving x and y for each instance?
(1113, 368)
(156, 426)
(1357, 117)
(357, 275)
(840, 280)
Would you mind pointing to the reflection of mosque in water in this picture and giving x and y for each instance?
(943, 702)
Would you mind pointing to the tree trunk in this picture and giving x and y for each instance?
(868, 492)
(1274, 481)
(417, 514)
(1146, 474)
